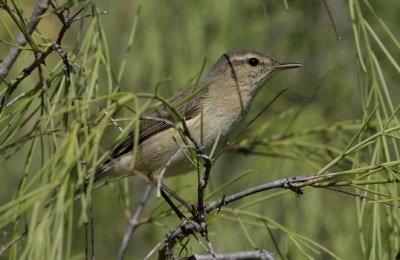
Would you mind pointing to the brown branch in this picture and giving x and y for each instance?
(134, 222)
(190, 227)
(293, 183)
(39, 59)
(11, 243)
(328, 9)
(360, 196)
(40, 8)
(256, 254)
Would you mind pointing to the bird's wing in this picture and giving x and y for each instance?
(150, 126)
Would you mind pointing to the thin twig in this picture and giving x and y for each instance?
(5, 66)
(67, 69)
(360, 196)
(293, 183)
(256, 254)
(338, 37)
(4, 248)
(39, 59)
(134, 222)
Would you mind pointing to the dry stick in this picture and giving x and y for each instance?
(292, 183)
(338, 37)
(12, 55)
(256, 254)
(358, 195)
(67, 69)
(25, 73)
(9, 244)
(134, 221)
(40, 59)
(186, 228)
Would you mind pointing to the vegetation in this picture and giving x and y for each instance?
(91, 68)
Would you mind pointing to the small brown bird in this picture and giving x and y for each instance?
(222, 102)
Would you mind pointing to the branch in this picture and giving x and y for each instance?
(256, 254)
(40, 59)
(134, 222)
(4, 248)
(9, 60)
(188, 227)
(293, 183)
(360, 196)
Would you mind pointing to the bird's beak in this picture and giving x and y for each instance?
(286, 65)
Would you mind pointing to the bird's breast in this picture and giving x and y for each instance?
(222, 117)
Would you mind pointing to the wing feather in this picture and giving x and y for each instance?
(149, 127)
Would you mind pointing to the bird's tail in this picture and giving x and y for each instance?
(99, 174)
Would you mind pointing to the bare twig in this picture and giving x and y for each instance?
(293, 183)
(67, 69)
(186, 228)
(134, 222)
(12, 55)
(338, 37)
(39, 59)
(360, 196)
(9, 244)
(256, 254)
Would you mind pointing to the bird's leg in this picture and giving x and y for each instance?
(172, 205)
(188, 206)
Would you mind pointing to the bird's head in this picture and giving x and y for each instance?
(248, 68)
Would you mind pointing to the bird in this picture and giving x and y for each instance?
(215, 108)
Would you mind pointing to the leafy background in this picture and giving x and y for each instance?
(345, 93)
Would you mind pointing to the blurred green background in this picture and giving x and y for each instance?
(172, 40)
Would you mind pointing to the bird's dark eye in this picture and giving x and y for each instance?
(253, 62)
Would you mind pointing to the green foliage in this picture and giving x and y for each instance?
(339, 115)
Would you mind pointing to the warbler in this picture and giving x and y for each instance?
(215, 108)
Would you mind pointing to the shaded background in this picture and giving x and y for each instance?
(172, 40)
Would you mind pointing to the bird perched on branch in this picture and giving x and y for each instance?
(211, 110)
